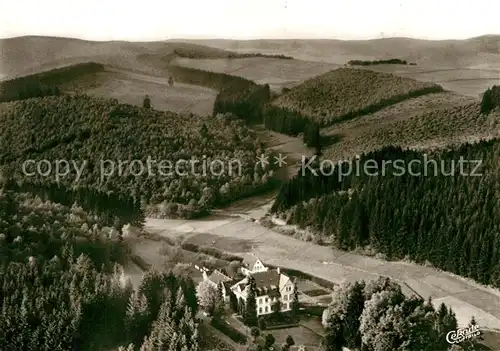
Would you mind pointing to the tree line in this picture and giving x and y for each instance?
(377, 316)
(490, 99)
(245, 101)
(45, 83)
(446, 219)
(209, 79)
(255, 104)
(393, 61)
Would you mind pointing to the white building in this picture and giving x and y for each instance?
(217, 278)
(252, 264)
(272, 287)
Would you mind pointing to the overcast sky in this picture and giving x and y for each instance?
(248, 19)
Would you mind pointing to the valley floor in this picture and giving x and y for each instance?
(466, 298)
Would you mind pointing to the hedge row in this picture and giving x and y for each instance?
(211, 251)
(228, 330)
(313, 310)
(377, 62)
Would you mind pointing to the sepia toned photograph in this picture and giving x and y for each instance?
(250, 175)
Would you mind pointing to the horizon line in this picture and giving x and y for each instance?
(242, 39)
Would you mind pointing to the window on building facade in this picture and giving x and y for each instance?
(266, 300)
(260, 309)
(267, 309)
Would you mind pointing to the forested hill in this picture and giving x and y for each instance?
(451, 221)
(89, 132)
(62, 288)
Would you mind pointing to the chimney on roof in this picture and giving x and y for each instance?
(278, 270)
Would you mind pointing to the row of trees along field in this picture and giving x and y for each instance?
(44, 83)
(243, 100)
(377, 316)
(445, 216)
(490, 99)
(393, 61)
(62, 287)
(251, 102)
(209, 79)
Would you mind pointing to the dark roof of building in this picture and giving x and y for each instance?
(268, 279)
(217, 277)
(271, 292)
(249, 260)
(228, 284)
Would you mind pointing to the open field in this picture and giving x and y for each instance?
(466, 81)
(480, 52)
(339, 266)
(433, 120)
(289, 73)
(275, 72)
(130, 87)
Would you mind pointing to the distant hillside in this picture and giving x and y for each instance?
(430, 121)
(346, 93)
(483, 51)
(31, 54)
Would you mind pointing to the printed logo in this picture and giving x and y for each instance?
(462, 334)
